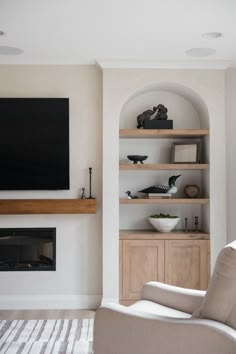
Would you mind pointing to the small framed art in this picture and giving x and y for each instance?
(186, 152)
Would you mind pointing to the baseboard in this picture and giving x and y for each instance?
(22, 302)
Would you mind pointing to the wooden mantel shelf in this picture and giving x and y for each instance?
(47, 206)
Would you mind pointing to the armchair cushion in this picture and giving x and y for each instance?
(157, 309)
(219, 303)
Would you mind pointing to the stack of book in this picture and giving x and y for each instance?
(158, 195)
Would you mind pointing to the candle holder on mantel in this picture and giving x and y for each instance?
(90, 184)
(83, 196)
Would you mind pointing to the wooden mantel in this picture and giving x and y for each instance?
(47, 206)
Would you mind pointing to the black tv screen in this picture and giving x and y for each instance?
(34, 143)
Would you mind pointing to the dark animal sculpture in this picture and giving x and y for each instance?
(161, 112)
(147, 115)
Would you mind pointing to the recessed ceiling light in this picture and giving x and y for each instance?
(212, 35)
(4, 50)
(1, 33)
(200, 52)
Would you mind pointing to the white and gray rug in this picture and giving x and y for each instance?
(46, 336)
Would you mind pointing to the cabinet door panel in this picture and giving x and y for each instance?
(186, 263)
(143, 261)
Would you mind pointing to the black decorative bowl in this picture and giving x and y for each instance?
(137, 158)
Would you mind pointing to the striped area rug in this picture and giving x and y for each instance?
(46, 336)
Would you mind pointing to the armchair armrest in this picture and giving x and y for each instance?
(186, 300)
(122, 330)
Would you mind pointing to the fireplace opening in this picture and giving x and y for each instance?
(27, 249)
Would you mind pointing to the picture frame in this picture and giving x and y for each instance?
(188, 152)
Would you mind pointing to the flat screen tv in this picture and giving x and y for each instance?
(34, 143)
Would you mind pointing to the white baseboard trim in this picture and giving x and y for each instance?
(30, 302)
(108, 300)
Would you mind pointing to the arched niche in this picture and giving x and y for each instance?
(188, 111)
(186, 107)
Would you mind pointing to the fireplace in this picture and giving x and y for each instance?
(27, 249)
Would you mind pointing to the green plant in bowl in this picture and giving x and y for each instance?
(163, 216)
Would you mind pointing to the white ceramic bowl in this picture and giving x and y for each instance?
(165, 224)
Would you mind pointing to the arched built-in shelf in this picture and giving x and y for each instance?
(137, 241)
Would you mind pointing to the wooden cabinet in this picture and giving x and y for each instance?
(142, 260)
(186, 263)
(180, 262)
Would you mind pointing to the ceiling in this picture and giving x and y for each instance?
(154, 32)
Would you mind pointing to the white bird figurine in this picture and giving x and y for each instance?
(171, 188)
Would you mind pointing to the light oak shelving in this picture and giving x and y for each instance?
(164, 166)
(163, 133)
(47, 206)
(154, 235)
(164, 201)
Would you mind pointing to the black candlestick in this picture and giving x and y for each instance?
(90, 183)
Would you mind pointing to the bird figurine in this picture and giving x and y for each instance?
(130, 196)
(171, 188)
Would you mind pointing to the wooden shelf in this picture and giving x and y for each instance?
(154, 235)
(164, 166)
(47, 206)
(163, 133)
(164, 201)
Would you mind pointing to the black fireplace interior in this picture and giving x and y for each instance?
(27, 249)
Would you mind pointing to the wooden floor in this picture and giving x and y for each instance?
(45, 314)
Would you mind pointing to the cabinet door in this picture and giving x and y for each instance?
(186, 263)
(143, 261)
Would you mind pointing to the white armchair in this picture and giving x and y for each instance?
(170, 320)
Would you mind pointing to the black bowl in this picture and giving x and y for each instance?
(137, 158)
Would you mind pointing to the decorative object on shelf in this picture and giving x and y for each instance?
(159, 121)
(186, 153)
(90, 183)
(130, 196)
(137, 158)
(146, 115)
(192, 191)
(163, 189)
(186, 225)
(83, 196)
(196, 224)
(161, 112)
(163, 223)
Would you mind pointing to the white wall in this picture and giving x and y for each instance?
(77, 282)
(119, 86)
(230, 151)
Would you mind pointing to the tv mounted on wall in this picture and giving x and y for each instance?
(34, 143)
